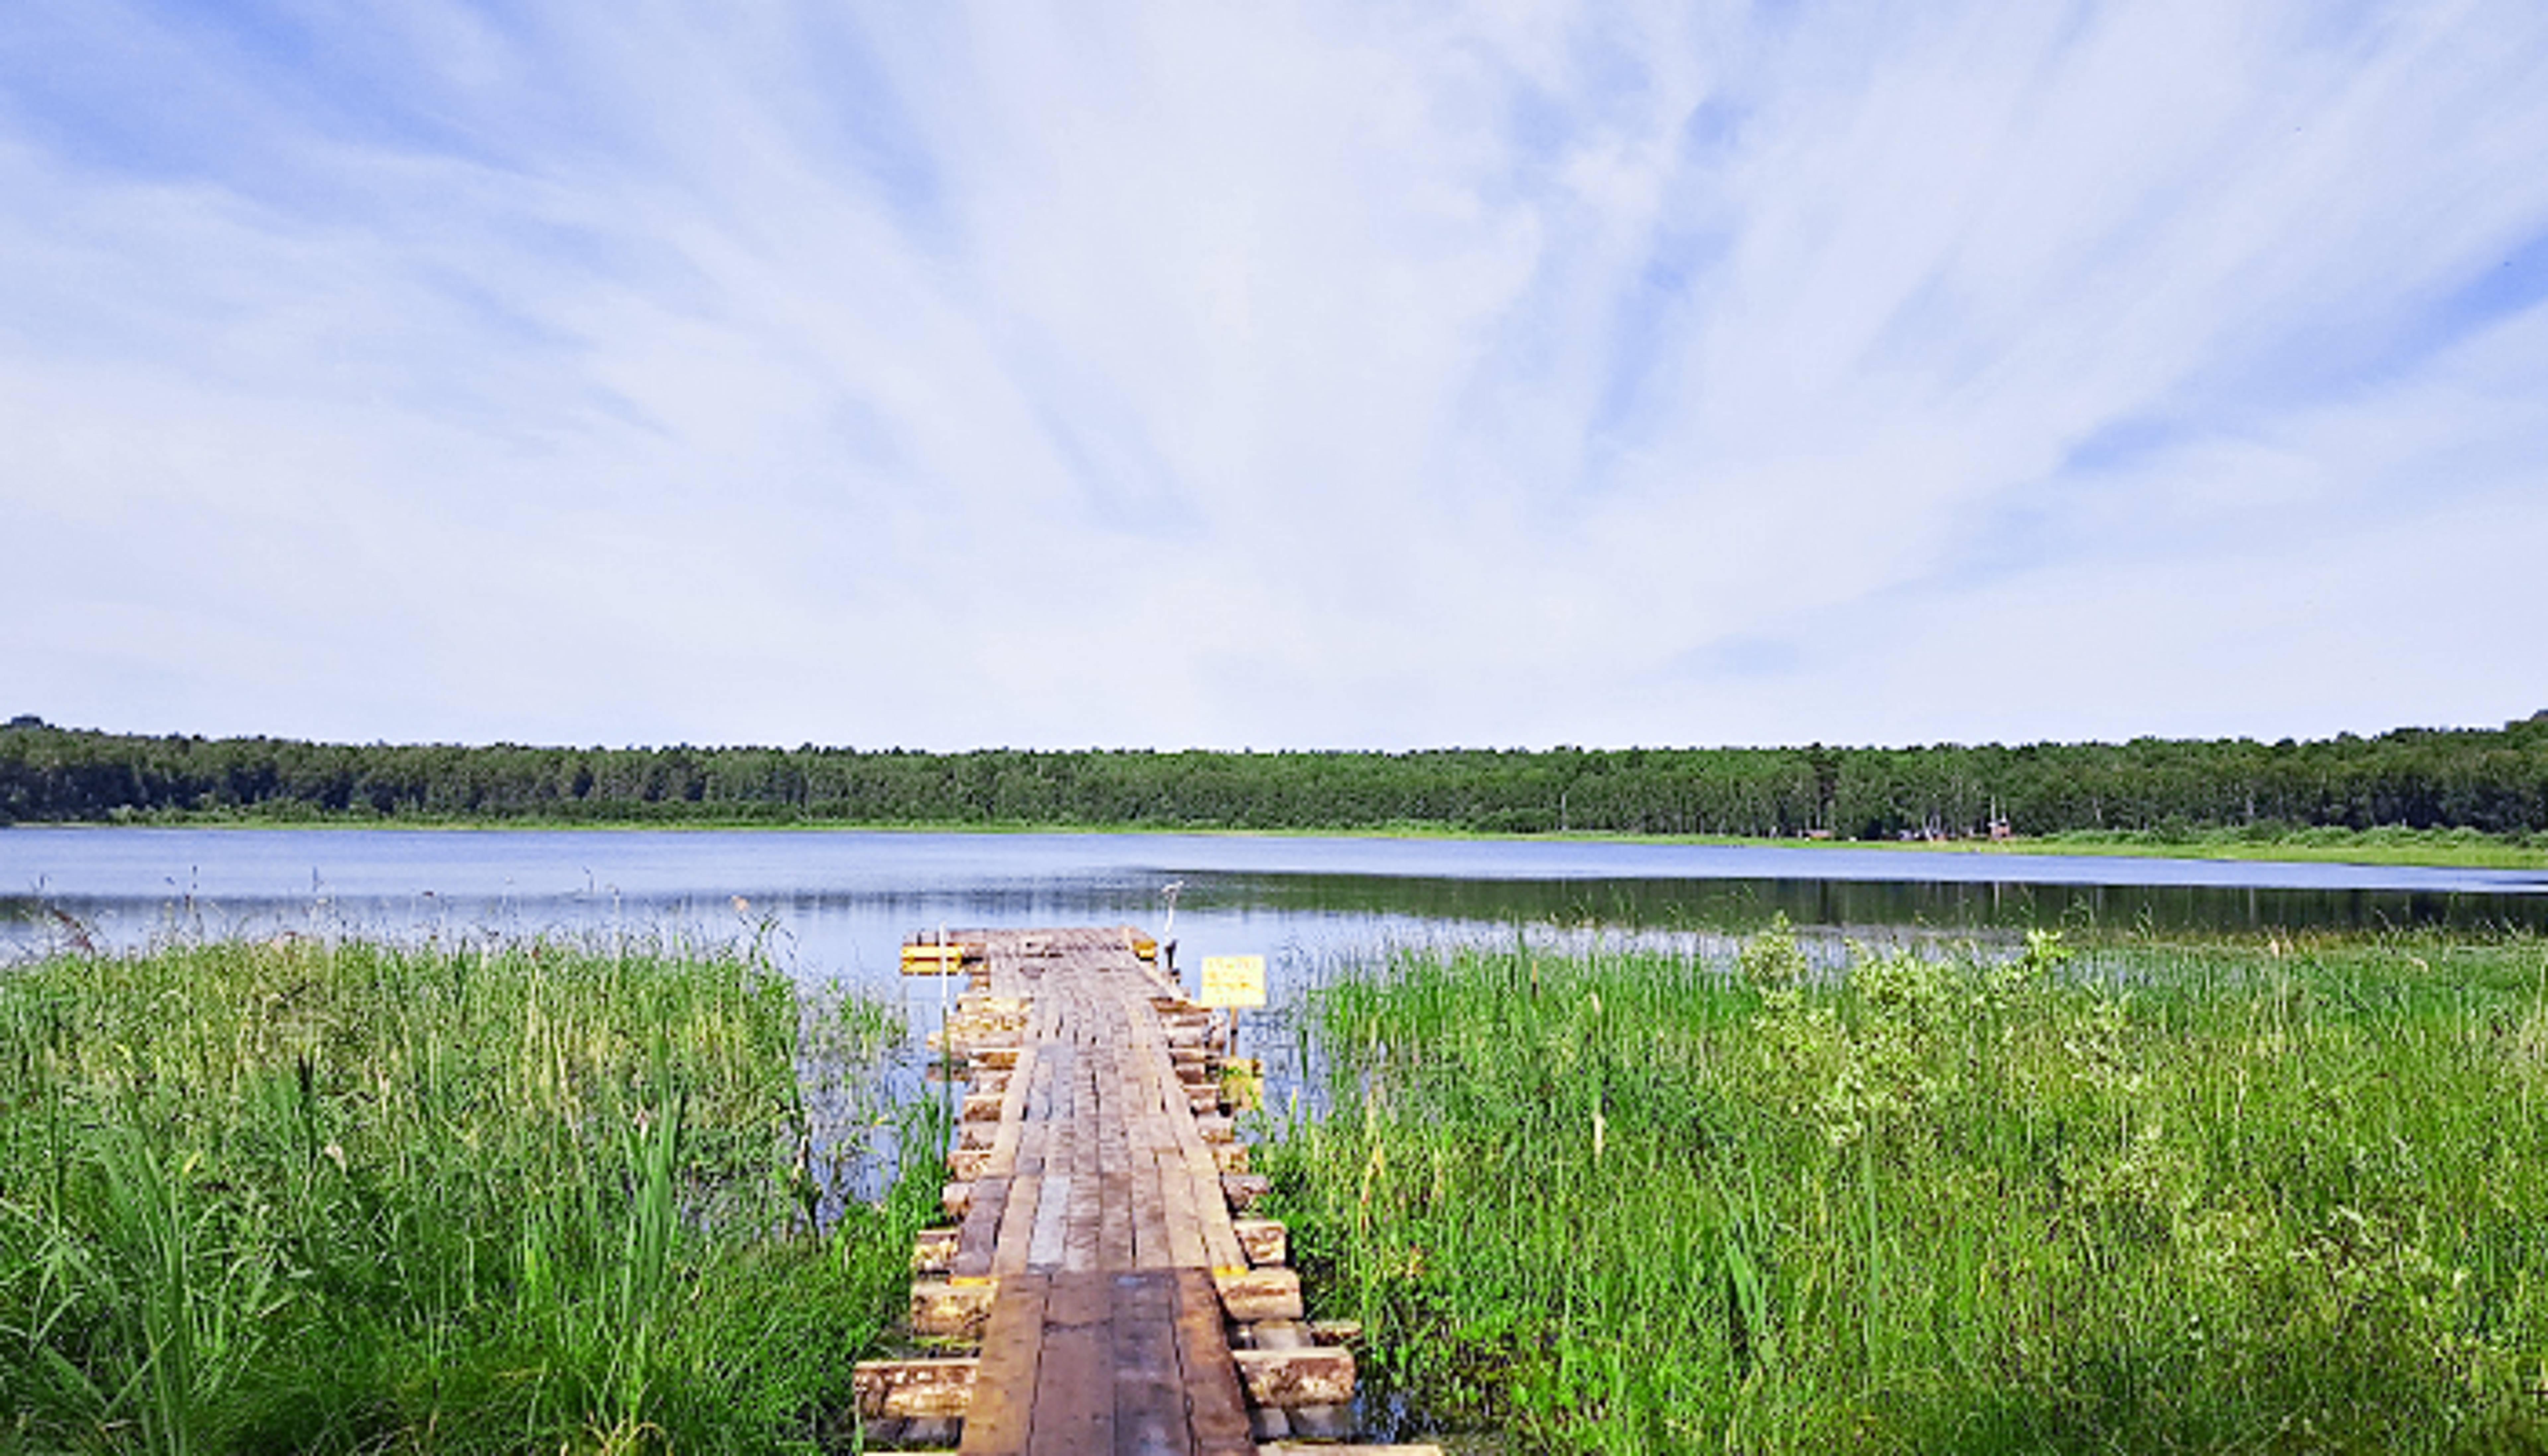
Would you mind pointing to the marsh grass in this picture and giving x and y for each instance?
(2204, 1196)
(317, 1195)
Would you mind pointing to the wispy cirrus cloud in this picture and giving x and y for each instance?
(1339, 375)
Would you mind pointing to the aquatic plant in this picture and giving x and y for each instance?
(320, 1195)
(2127, 1196)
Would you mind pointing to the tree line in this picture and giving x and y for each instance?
(2494, 780)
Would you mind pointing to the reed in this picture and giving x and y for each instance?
(2167, 1197)
(315, 1195)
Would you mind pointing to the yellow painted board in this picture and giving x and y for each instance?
(1233, 981)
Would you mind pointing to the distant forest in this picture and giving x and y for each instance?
(2494, 780)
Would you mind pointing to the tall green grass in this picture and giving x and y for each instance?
(359, 1197)
(2219, 1196)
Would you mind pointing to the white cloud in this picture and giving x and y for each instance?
(1312, 376)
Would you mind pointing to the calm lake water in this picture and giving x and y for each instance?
(839, 903)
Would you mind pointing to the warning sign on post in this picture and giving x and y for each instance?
(1233, 981)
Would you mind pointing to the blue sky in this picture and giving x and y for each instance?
(1279, 376)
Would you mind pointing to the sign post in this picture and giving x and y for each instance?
(1235, 983)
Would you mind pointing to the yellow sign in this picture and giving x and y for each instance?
(1233, 981)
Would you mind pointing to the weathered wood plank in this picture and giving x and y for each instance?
(1075, 1397)
(1017, 1225)
(1215, 1408)
(1149, 1388)
(997, 1420)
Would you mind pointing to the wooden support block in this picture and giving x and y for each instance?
(983, 1107)
(1322, 1423)
(1242, 1190)
(1322, 1375)
(944, 1311)
(1337, 1331)
(1217, 1130)
(996, 1058)
(1007, 1011)
(965, 1165)
(1310, 1423)
(908, 1389)
(1202, 1098)
(932, 959)
(1254, 1293)
(980, 1233)
(1231, 1157)
(975, 1135)
(955, 1199)
(1266, 1240)
(933, 1250)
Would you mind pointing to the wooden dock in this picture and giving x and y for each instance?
(1099, 1288)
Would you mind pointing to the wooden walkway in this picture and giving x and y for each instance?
(1099, 1262)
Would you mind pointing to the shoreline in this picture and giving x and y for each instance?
(2448, 849)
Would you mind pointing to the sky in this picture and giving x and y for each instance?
(1355, 375)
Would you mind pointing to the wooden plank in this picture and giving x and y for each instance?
(997, 1421)
(1151, 1248)
(1079, 1239)
(1017, 1225)
(1221, 1248)
(1117, 1243)
(1075, 1396)
(1149, 1388)
(1185, 1220)
(1051, 1220)
(1216, 1410)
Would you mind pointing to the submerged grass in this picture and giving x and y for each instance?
(2215, 1197)
(358, 1196)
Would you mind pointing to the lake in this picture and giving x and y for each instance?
(839, 903)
